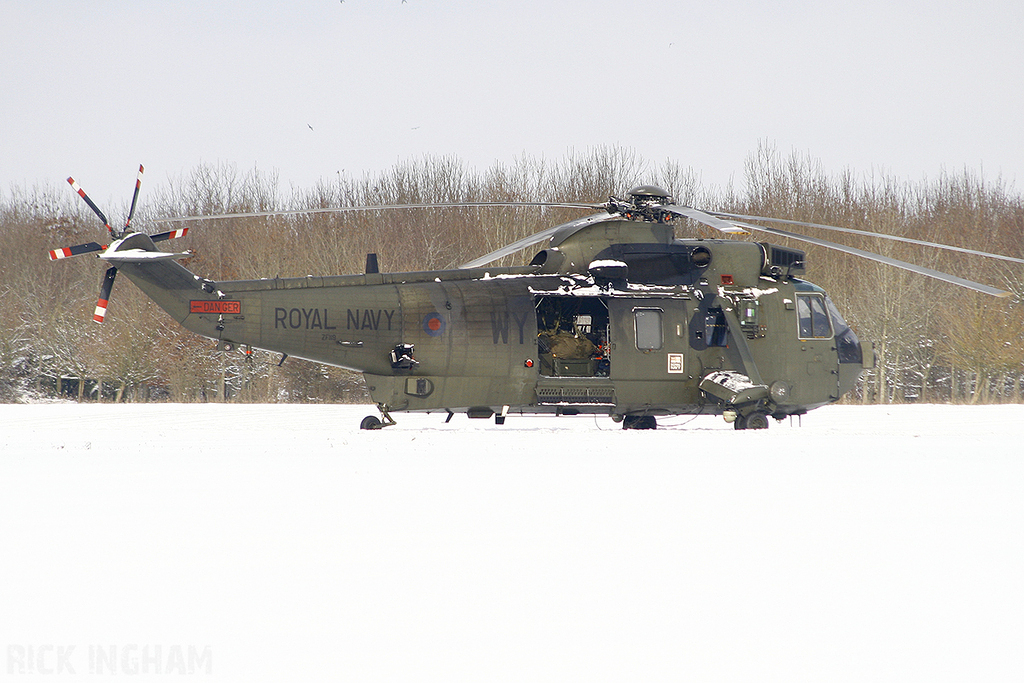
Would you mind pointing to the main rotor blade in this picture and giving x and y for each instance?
(96, 209)
(105, 289)
(937, 274)
(706, 219)
(381, 207)
(531, 240)
(868, 233)
(135, 198)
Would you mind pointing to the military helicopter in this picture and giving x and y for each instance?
(613, 316)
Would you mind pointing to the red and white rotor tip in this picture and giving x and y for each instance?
(101, 305)
(81, 193)
(100, 312)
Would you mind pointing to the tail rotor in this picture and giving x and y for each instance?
(116, 235)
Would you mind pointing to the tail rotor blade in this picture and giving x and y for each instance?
(169, 235)
(135, 198)
(105, 288)
(96, 209)
(77, 250)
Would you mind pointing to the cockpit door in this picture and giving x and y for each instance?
(815, 367)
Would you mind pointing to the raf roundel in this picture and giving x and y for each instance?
(433, 324)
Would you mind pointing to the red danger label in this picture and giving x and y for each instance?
(217, 307)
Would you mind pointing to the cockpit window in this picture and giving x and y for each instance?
(812, 318)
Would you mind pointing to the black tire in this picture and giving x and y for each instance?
(639, 422)
(370, 422)
(755, 420)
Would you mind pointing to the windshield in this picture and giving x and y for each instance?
(847, 344)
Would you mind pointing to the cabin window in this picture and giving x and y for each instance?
(812, 317)
(649, 336)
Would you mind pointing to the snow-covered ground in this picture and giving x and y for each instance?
(281, 543)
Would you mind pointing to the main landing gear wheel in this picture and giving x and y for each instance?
(639, 422)
(755, 420)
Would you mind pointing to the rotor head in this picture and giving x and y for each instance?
(649, 195)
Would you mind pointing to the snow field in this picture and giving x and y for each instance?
(868, 543)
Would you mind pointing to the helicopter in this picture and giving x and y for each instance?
(613, 316)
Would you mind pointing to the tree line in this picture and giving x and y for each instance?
(934, 341)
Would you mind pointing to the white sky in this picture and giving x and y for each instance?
(92, 89)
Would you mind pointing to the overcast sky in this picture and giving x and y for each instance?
(313, 87)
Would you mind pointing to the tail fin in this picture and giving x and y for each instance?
(155, 272)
